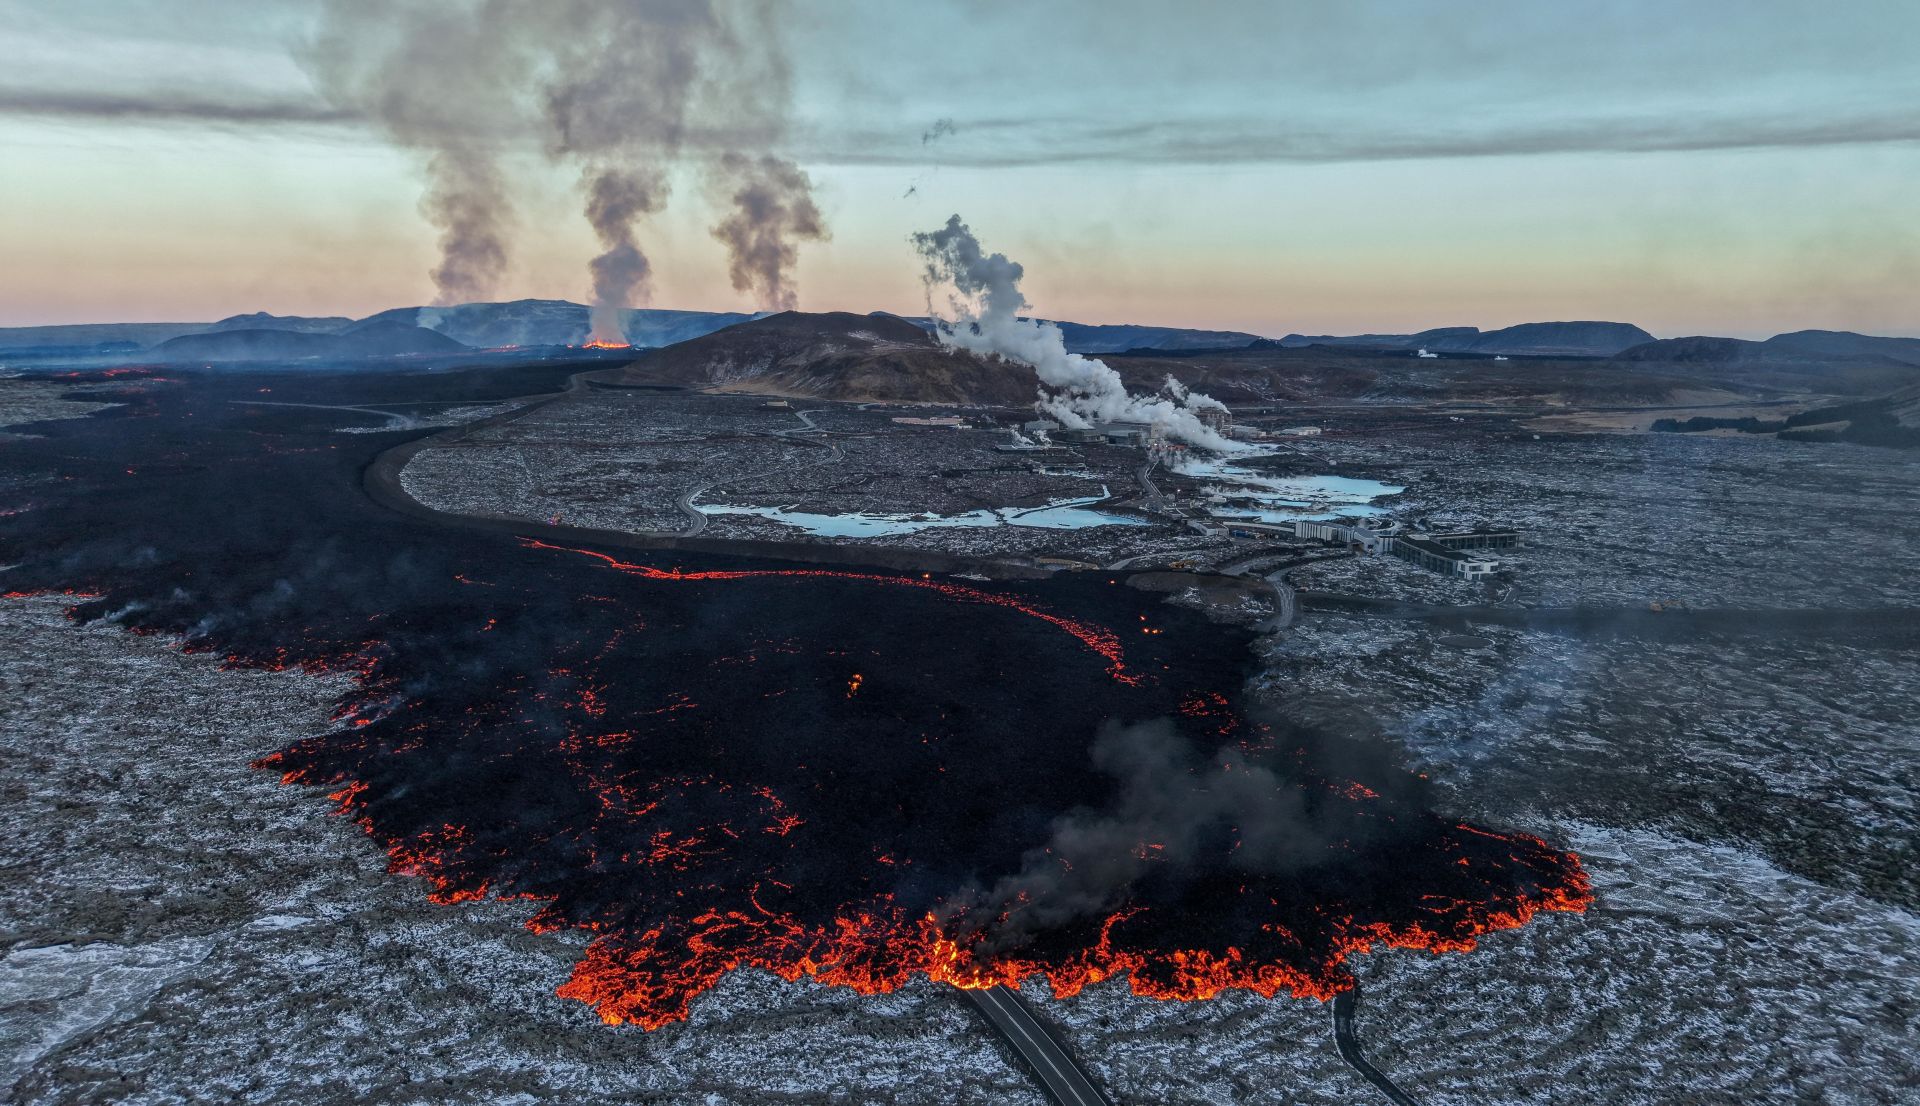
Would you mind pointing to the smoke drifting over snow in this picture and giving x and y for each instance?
(618, 88)
(773, 212)
(1174, 817)
(1078, 391)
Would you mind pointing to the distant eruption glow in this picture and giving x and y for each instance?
(1078, 391)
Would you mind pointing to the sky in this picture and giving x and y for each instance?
(1737, 167)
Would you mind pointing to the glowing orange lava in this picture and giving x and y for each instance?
(695, 891)
(876, 949)
(1097, 638)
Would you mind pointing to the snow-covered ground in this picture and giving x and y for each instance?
(178, 927)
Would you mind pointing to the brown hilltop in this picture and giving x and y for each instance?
(834, 355)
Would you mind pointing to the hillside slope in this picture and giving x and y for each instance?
(834, 355)
(385, 339)
(1569, 339)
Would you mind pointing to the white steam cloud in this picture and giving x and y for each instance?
(985, 299)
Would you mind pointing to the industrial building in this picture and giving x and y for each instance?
(1434, 557)
(1446, 553)
(1480, 537)
(1110, 433)
(1443, 553)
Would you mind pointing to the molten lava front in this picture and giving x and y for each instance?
(829, 805)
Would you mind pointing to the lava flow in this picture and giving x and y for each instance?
(855, 777)
(1097, 638)
(693, 840)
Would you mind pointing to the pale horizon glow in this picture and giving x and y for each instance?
(1737, 169)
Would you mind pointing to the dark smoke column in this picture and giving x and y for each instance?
(622, 275)
(616, 99)
(618, 90)
(773, 211)
(441, 80)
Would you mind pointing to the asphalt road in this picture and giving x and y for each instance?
(1349, 1045)
(1061, 1077)
(1285, 608)
(394, 421)
(1144, 477)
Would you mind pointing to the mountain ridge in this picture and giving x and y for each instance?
(1585, 338)
(386, 339)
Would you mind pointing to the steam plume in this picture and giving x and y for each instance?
(1077, 391)
(467, 199)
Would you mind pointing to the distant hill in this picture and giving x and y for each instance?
(1697, 349)
(87, 336)
(1845, 343)
(834, 355)
(1450, 338)
(1803, 347)
(1116, 338)
(1577, 339)
(385, 339)
(533, 322)
(1098, 338)
(1571, 339)
(554, 323)
(261, 320)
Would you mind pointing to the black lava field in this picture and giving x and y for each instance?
(709, 762)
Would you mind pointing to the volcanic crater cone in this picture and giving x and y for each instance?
(835, 355)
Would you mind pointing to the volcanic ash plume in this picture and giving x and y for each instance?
(1077, 391)
(467, 199)
(438, 80)
(773, 211)
(617, 89)
(622, 76)
(616, 199)
(1172, 811)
